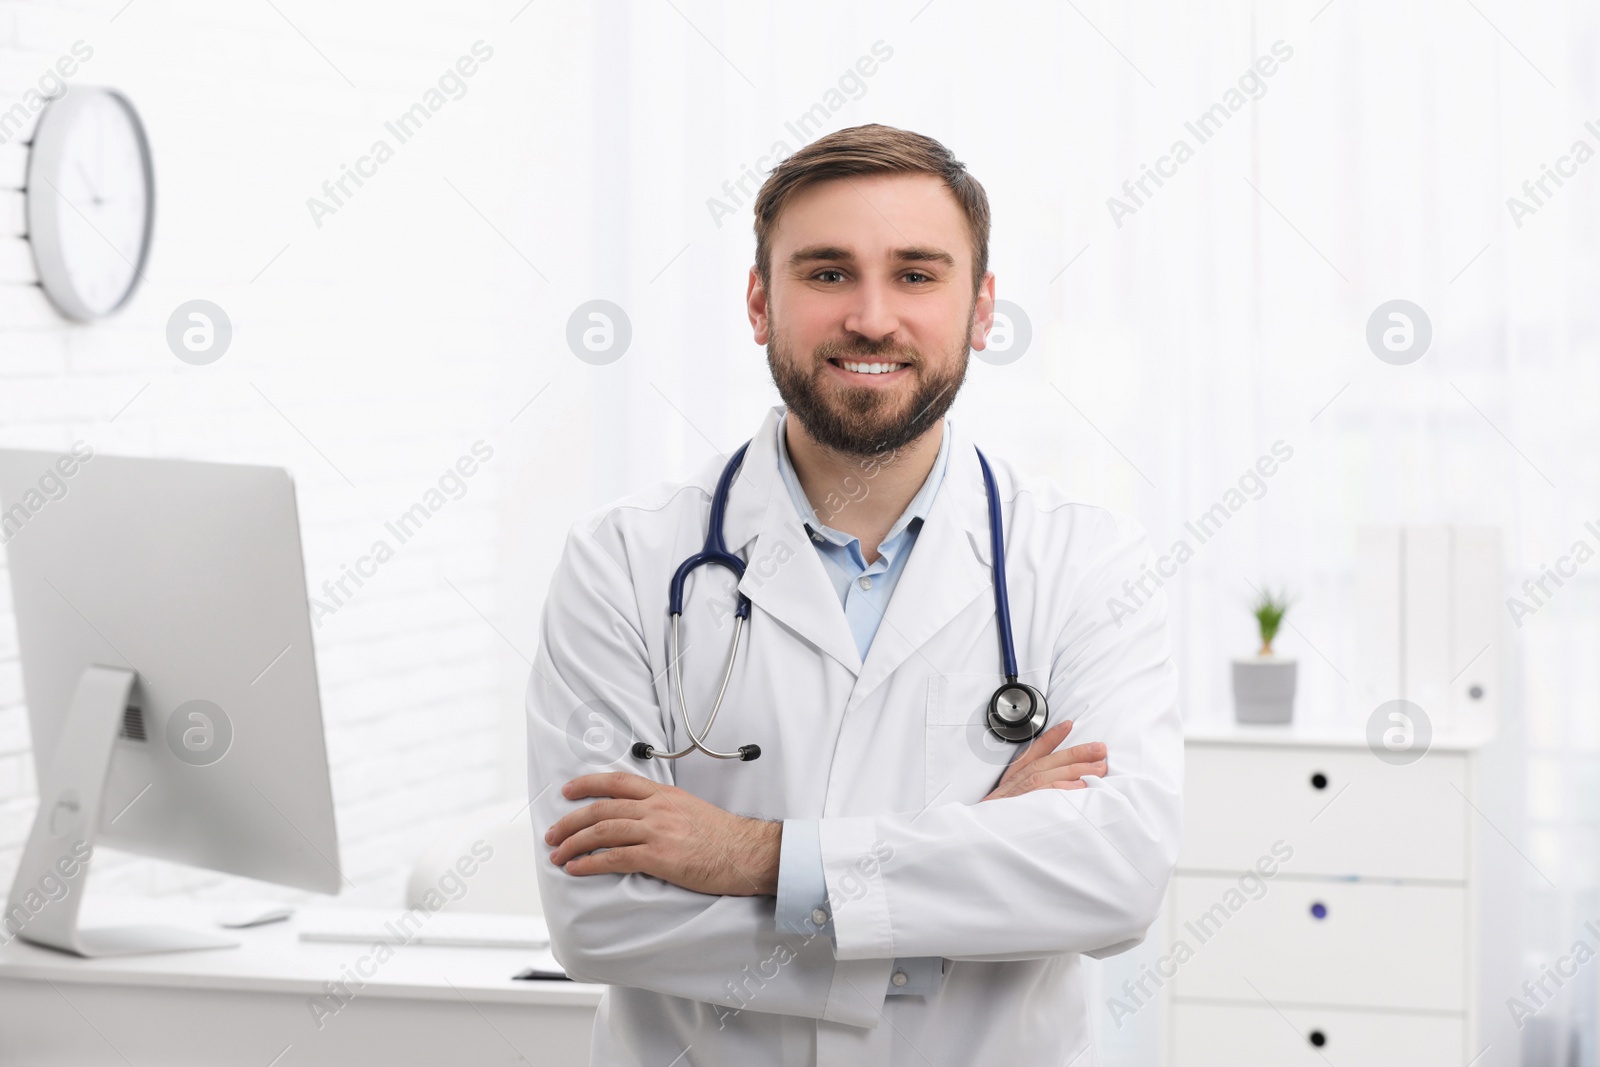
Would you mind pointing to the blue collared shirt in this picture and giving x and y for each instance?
(864, 590)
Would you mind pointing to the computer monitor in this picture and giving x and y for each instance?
(170, 679)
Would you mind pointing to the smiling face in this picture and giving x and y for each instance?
(871, 311)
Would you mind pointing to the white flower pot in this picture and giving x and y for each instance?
(1263, 689)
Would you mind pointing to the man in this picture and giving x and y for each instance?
(880, 886)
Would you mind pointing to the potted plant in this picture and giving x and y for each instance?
(1263, 684)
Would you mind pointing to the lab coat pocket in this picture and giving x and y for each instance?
(963, 759)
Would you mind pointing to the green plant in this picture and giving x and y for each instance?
(1269, 611)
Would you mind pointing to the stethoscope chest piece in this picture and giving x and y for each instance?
(1017, 712)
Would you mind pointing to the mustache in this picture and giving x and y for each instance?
(862, 349)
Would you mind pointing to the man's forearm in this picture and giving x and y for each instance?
(757, 852)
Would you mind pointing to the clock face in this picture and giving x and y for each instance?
(90, 201)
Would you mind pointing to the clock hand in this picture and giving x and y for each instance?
(94, 194)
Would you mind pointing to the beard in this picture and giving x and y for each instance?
(862, 421)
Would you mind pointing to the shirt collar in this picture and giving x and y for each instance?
(916, 511)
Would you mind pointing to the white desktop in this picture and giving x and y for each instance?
(171, 684)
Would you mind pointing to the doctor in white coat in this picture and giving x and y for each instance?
(888, 883)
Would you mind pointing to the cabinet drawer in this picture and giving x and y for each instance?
(1215, 1035)
(1375, 946)
(1342, 811)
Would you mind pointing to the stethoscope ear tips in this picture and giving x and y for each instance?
(643, 751)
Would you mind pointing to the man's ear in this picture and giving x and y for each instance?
(755, 301)
(983, 313)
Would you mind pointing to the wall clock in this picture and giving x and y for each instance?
(90, 201)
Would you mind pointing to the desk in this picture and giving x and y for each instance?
(253, 1005)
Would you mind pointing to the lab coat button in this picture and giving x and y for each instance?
(819, 916)
(899, 978)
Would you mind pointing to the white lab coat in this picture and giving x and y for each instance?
(889, 754)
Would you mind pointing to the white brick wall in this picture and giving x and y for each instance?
(383, 335)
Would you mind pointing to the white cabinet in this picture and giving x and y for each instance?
(1325, 906)
(1374, 945)
(1343, 811)
(1233, 1035)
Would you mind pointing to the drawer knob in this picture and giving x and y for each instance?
(1319, 910)
(1319, 780)
(1318, 1038)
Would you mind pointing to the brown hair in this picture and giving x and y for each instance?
(871, 149)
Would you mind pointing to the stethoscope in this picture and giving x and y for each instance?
(1017, 711)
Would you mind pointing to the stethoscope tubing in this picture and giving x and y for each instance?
(1002, 604)
(715, 551)
(696, 741)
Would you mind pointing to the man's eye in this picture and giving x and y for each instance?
(822, 275)
(918, 276)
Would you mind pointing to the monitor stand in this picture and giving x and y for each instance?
(43, 905)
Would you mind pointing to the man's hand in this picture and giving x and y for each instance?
(1040, 768)
(661, 830)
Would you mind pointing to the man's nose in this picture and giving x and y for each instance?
(873, 314)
